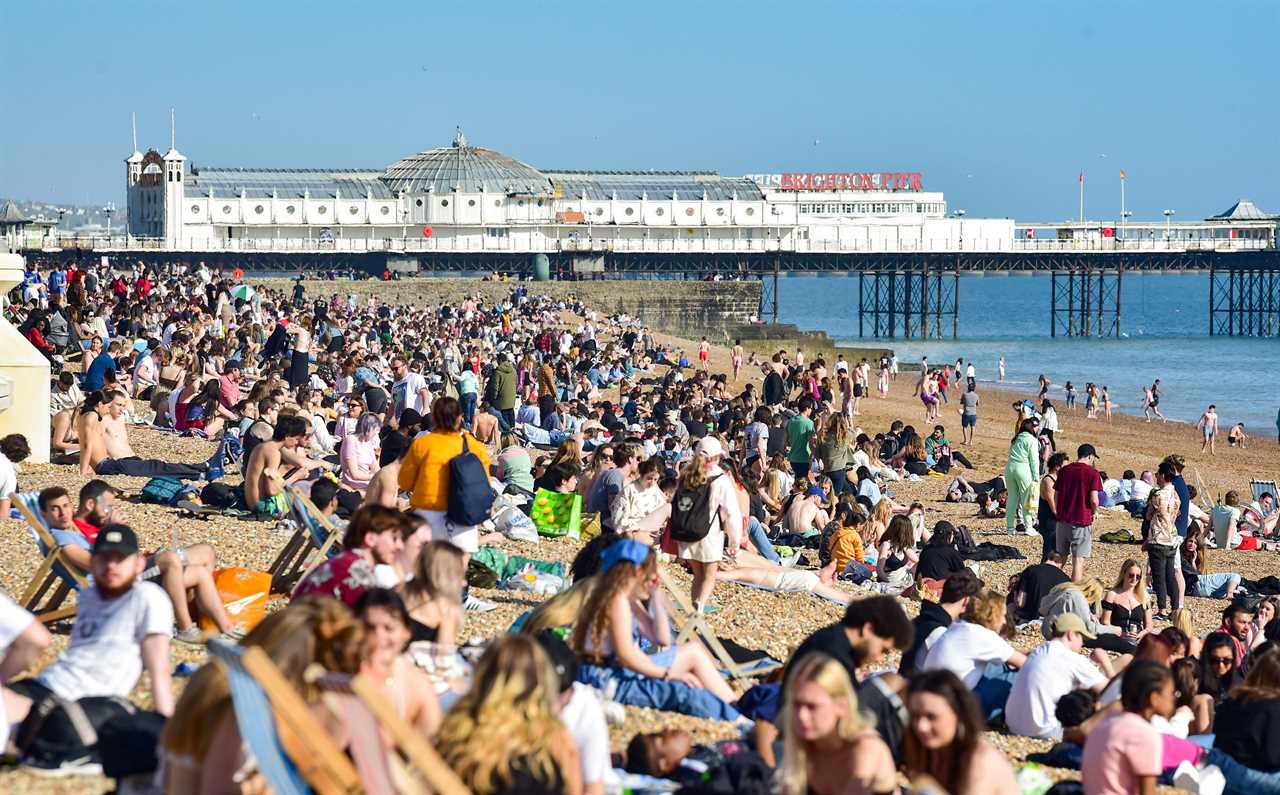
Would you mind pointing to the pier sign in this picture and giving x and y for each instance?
(839, 180)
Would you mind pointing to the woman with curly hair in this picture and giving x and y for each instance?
(622, 604)
(503, 737)
(830, 747)
(201, 746)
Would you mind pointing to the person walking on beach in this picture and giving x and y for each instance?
(1001, 368)
(1106, 402)
(1208, 425)
(968, 414)
(1151, 401)
(1021, 476)
(1075, 501)
(1091, 401)
(882, 378)
(704, 349)
(737, 359)
(1045, 383)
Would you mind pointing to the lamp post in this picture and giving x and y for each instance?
(1124, 220)
(1168, 227)
(959, 215)
(109, 209)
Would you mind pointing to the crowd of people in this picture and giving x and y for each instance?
(425, 433)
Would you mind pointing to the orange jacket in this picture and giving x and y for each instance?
(424, 472)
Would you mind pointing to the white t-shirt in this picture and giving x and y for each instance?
(105, 655)
(8, 478)
(583, 716)
(965, 650)
(407, 392)
(13, 622)
(1050, 673)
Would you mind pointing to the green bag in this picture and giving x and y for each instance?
(556, 514)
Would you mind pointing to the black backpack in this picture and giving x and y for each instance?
(691, 517)
(470, 495)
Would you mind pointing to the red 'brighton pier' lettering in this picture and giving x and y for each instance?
(858, 180)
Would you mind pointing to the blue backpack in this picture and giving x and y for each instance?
(470, 495)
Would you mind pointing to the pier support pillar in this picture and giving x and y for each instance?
(1084, 300)
(1244, 300)
(908, 303)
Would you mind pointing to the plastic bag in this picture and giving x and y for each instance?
(535, 581)
(244, 595)
(514, 524)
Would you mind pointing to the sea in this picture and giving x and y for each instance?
(1164, 334)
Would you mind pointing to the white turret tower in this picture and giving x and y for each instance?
(133, 174)
(174, 167)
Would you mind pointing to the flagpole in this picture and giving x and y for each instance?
(1122, 215)
(1082, 197)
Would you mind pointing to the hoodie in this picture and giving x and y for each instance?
(1070, 600)
(504, 386)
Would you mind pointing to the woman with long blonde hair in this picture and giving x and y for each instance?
(835, 449)
(1127, 604)
(829, 747)
(434, 595)
(503, 735)
(624, 602)
(201, 744)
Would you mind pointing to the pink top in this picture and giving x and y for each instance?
(358, 458)
(1116, 753)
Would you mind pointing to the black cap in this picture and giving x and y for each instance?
(562, 658)
(410, 417)
(1086, 450)
(234, 364)
(116, 538)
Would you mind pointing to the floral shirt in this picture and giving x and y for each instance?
(344, 577)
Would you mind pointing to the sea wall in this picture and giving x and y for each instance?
(677, 307)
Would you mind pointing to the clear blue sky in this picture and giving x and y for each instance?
(1000, 105)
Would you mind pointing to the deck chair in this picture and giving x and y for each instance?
(293, 752)
(1260, 487)
(314, 534)
(692, 624)
(359, 702)
(54, 572)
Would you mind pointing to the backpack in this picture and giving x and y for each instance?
(691, 517)
(470, 495)
(164, 491)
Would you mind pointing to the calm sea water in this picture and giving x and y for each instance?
(1164, 322)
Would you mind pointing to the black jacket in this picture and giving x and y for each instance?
(1247, 732)
(931, 617)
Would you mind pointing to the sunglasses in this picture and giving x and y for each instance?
(1225, 662)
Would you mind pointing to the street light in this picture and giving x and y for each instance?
(1168, 218)
(1124, 221)
(109, 209)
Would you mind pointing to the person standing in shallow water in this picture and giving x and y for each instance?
(1208, 425)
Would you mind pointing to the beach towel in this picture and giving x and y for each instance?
(989, 551)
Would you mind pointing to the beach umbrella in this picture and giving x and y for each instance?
(242, 292)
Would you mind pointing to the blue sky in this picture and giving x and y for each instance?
(1000, 105)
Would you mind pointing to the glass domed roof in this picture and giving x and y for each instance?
(468, 169)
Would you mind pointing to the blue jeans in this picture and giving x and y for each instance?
(993, 689)
(1242, 780)
(1215, 586)
(635, 690)
(468, 402)
(760, 540)
(839, 481)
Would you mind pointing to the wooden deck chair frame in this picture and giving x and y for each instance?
(318, 758)
(296, 557)
(419, 753)
(46, 577)
(692, 624)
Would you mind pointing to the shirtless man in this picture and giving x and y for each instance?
(105, 449)
(806, 512)
(384, 487)
(1208, 425)
(263, 480)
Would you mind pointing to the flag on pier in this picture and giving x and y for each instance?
(1122, 173)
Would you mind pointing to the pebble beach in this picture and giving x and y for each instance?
(770, 621)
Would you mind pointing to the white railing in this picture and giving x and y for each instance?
(679, 245)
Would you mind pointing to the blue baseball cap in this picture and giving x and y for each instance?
(816, 491)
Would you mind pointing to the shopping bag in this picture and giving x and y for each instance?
(244, 595)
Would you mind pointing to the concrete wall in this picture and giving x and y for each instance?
(670, 305)
(26, 374)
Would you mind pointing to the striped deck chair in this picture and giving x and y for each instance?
(362, 705)
(1260, 487)
(293, 752)
(314, 534)
(55, 570)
